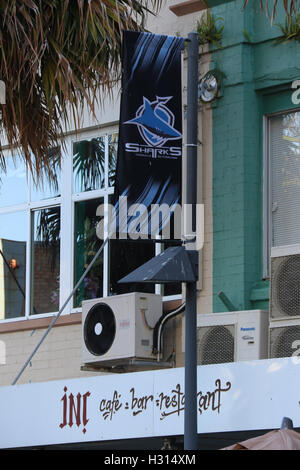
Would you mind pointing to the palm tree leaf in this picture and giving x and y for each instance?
(54, 56)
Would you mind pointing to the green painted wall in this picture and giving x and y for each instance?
(257, 80)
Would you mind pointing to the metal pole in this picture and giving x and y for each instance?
(190, 411)
(60, 311)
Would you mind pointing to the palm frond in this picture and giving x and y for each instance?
(89, 163)
(54, 56)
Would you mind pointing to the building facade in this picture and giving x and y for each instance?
(248, 176)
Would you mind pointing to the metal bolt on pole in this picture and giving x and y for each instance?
(190, 413)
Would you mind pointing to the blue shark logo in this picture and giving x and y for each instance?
(155, 122)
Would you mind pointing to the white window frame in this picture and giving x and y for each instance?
(267, 190)
(67, 201)
(266, 216)
(28, 207)
(68, 217)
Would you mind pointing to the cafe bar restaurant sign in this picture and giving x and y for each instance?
(231, 397)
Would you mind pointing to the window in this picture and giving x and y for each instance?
(45, 260)
(48, 232)
(86, 244)
(282, 181)
(13, 246)
(29, 241)
(94, 165)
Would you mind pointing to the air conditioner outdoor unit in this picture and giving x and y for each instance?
(119, 329)
(284, 335)
(284, 338)
(285, 283)
(232, 336)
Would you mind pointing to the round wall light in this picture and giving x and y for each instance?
(208, 87)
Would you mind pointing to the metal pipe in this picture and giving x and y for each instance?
(161, 325)
(190, 409)
(228, 304)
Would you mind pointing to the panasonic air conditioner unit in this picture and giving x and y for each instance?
(232, 336)
(285, 283)
(119, 329)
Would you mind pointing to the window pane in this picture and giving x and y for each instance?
(48, 185)
(13, 183)
(45, 260)
(13, 240)
(86, 245)
(124, 257)
(88, 164)
(112, 158)
(285, 178)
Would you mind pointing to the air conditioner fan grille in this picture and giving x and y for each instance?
(99, 329)
(283, 341)
(215, 344)
(286, 287)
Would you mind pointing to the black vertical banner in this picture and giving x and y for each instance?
(149, 164)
